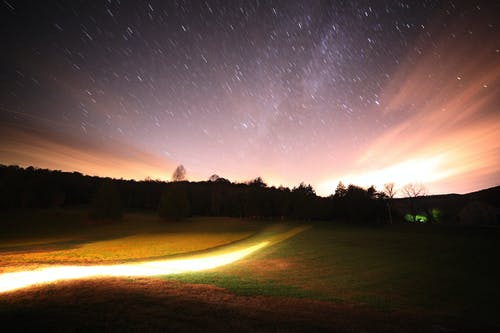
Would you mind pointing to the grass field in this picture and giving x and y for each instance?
(445, 279)
(440, 271)
(70, 239)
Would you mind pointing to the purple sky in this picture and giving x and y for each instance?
(359, 91)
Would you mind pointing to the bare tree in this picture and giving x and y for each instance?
(390, 192)
(413, 191)
(179, 174)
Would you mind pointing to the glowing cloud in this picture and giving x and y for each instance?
(18, 280)
(29, 147)
(448, 138)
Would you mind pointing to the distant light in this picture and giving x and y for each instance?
(23, 279)
(416, 218)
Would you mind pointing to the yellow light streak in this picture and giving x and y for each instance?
(23, 279)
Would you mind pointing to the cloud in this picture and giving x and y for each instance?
(450, 136)
(29, 147)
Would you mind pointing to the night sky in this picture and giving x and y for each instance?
(314, 91)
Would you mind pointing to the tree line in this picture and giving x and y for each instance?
(107, 198)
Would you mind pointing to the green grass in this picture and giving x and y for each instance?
(449, 272)
(443, 271)
(59, 223)
(68, 238)
(245, 285)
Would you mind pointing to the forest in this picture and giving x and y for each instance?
(24, 188)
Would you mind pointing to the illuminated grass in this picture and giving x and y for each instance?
(125, 248)
(138, 237)
(21, 279)
(144, 250)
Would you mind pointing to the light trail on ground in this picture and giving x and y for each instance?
(18, 280)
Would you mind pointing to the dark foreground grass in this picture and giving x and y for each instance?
(246, 285)
(447, 272)
(331, 277)
(153, 305)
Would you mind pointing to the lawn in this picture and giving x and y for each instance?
(444, 272)
(70, 239)
(435, 275)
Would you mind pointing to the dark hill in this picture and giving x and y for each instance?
(478, 208)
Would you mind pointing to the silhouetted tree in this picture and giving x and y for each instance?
(213, 178)
(174, 202)
(218, 195)
(257, 182)
(216, 202)
(302, 201)
(32, 187)
(341, 190)
(356, 198)
(283, 202)
(372, 192)
(106, 202)
(179, 174)
(389, 192)
(413, 191)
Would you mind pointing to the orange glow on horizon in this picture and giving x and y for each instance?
(451, 139)
(27, 148)
(447, 138)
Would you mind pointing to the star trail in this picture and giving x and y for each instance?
(315, 91)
